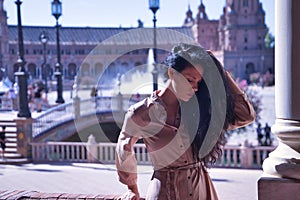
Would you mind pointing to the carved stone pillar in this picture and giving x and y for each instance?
(283, 164)
(24, 136)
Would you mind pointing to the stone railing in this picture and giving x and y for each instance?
(233, 156)
(244, 156)
(51, 118)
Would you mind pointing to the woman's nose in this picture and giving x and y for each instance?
(195, 87)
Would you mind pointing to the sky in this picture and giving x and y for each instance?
(115, 13)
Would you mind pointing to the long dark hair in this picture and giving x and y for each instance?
(202, 121)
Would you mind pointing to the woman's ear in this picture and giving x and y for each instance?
(171, 73)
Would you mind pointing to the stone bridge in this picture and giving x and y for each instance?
(74, 121)
(65, 120)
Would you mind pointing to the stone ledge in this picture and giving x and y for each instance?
(278, 188)
(25, 195)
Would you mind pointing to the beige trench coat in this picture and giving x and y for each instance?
(176, 175)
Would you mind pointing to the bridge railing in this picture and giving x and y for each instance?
(233, 156)
(51, 118)
(70, 111)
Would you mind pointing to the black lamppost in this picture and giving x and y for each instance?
(154, 6)
(21, 73)
(56, 12)
(44, 39)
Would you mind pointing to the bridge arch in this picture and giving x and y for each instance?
(78, 130)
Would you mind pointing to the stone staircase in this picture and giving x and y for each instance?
(11, 155)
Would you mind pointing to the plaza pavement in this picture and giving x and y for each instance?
(88, 178)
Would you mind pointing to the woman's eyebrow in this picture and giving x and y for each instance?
(192, 75)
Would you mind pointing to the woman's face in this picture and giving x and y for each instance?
(185, 83)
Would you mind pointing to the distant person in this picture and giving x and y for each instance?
(259, 134)
(267, 130)
(3, 140)
(137, 97)
(16, 89)
(38, 98)
(94, 94)
(134, 99)
(6, 102)
(13, 97)
(261, 81)
(30, 94)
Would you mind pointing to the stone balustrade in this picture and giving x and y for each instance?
(233, 155)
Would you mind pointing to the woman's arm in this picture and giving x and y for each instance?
(243, 108)
(125, 159)
(126, 165)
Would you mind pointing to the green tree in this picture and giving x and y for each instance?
(269, 40)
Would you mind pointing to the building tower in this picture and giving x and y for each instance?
(4, 46)
(205, 31)
(241, 35)
(189, 20)
(242, 26)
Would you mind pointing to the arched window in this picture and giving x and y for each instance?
(32, 70)
(85, 69)
(98, 69)
(124, 68)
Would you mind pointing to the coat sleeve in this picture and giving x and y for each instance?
(125, 157)
(243, 108)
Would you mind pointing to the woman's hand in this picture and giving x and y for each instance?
(132, 194)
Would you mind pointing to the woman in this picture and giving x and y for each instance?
(183, 127)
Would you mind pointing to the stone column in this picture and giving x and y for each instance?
(247, 158)
(91, 146)
(76, 99)
(120, 102)
(76, 107)
(282, 167)
(24, 136)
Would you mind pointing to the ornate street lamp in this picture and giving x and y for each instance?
(44, 39)
(21, 74)
(154, 6)
(56, 12)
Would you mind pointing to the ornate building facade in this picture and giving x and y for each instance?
(237, 39)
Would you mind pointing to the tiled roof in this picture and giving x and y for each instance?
(94, 35)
